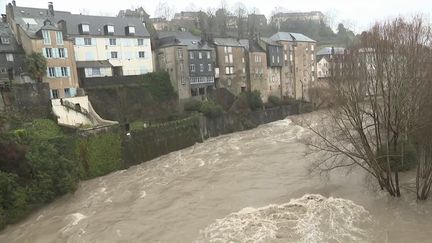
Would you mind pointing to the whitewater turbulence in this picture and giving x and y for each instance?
(312, 218)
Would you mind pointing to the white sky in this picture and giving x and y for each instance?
(357, 14)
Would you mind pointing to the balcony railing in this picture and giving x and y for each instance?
(202, 80)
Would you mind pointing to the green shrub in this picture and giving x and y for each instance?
(274, 100)
(192, 105)
(43, 129)
(211, 109)
(253, 99)
(159, 86)
(99, 155)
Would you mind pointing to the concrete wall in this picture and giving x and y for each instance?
(127, 49)
(70, 117)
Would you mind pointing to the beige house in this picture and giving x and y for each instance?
(37, 31)
(230, 65)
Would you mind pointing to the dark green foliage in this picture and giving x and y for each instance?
(36, 66)
(159, 85)
(192, 105)
(211, 109)
(274, 100)
(253, 99)
(99, 155)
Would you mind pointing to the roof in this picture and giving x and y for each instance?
(35, 18)
(328, 51)
(227, 42)
(85, 64)
(289, 36)
(169, 38)
(252, 48)
(269, 41)
(13, 46)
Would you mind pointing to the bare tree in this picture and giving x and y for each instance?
(164, 10)
(378, 87)
(241, 14)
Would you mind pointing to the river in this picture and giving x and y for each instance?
(251, 186)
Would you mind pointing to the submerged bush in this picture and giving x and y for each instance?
(211, 109)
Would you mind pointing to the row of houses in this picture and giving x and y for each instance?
(80, 47)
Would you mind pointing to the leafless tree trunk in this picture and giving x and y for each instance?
(378, 88)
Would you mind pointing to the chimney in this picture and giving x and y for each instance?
(50, 9)
(14, 3)
(3, 18)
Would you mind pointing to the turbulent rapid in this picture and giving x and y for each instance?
(251, 186)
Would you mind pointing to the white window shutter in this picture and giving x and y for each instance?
(68, 72)
(65, 52)
(55, 53)
(57, 71)
(47, 71)
(44, 52)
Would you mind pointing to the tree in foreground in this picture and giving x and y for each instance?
(36, 66)
(381, 114)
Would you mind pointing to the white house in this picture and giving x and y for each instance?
(323, 68)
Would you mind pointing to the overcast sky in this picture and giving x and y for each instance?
(357, 14)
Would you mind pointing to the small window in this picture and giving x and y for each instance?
(113, 41)
(141, 54)
(61, 53)
(192, 68)
(64, 72)
(140, 42)
(48, 53)
(87, 41)
(51, 72)
(114, 55)
(9, 57)
(110, 29)
(201, 67)
(191, 55)
(209, 67)
(85, 28)
(229, 49)
(46, 37)
(5, 40)
(180, 53)
(59, 38)
(55, 93)
(131, 30)
(67, 92)
(96, 72)
(208, 55)
(243, 60)
(200, 55)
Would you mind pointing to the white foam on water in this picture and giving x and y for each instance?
(77, 217)
(312, 218)
(143, 194)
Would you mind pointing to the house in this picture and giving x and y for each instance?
(36, 30)
(189, 61)
(108, 46)
(230, 65)
(299, 64)
(326, 59)
(11, 56)
(275, 62)
(256, 68)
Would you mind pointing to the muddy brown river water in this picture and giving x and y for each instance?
(251, 186)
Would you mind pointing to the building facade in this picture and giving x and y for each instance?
(11, 56)
(37, 31)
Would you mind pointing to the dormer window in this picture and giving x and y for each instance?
(5, 40)
(84, 29)
(109, 29)
(130, 30)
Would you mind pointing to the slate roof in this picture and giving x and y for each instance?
(328, 51)
(13, 46)
(36, 17)
(227, 42)
(289, 36)
(169, 38)
(269, 41)
(85, 64)
(254, 48)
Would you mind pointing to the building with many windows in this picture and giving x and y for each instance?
(37, 31)
(11, 56)
(188, 60)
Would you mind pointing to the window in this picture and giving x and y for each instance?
(46, 37)
(96, 71)
(87, 41)
(9, 57)
(114, 54)
(141, 54)
(180, 53)
(85, 28)
(54, 94)
(192, 68)
(312, 57)
(278, 59)
(229, 49)
(67, 92)
(5, 40)
(200, 55)
(59, 38)
(191, 55)
(51, 72)
(61, 53)
(110, 29)
(244, 70)
(312, 47)
(286, 57)
(209, 67)
(48, 53)
(273, 59)
(243, 60)
(113, 41)
(64, 72)
(140, 42)
(230, 58)
(229, 70)
(201, 67)
(208, 55)
(131, 29)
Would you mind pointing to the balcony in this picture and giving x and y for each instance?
(202, 80)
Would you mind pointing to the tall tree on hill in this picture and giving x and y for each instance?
(36, 66)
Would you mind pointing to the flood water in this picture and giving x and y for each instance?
(251, 186)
